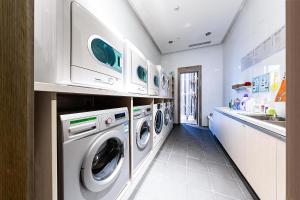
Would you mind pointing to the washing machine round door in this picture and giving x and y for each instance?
(156, 81)
(166, 116)
(143, 134)
(165, 81)
(104, 53)
(158, 122)
(103, 162)
(142, 73)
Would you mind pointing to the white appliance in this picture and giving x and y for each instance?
(72, 47)
(96, 52)
(166, 127)
(95, 155)
(136, 70)
(153, 80)
(164, 83)
(170, 88)
(158, 123)
(171, 116)
(142, 134)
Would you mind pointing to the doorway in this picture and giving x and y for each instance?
(189, 95)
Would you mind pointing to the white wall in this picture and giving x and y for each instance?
(258, 20)
(211, 59)
(52, 32)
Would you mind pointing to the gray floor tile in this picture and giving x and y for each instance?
(197, 165)
(227, 187)
(221, 171)
(199, 180)
(197, 194)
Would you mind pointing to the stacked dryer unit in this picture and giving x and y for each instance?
(154, 79)
(142, 135)
(158, 123)
(171, 116)
(164, 83)
(94, 162)
(85, 53)
(136, 70)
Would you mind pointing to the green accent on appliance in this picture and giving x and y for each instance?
(142, 73)
(78, 121)
(106, 54)
(156, 81)
(136, 109)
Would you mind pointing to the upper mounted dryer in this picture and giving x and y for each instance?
(153, 80)
(96, 52)
(136, 70)
(164, 86)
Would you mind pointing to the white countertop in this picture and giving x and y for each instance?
(260, 123)
(73, 89)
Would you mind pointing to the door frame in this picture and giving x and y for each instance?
(191, 69)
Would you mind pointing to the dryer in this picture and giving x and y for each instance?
(142, 134)
(94, 162)
(164, 86)
(158, 123)
(136, 70)
(171, 116)
(96, 52)
(154, 79)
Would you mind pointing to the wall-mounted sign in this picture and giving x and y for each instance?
(273, 44)
(261, 83)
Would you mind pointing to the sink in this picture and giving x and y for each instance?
(279, 121)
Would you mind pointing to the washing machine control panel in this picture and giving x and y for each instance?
(111, 119)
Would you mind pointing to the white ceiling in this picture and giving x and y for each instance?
(188, 24)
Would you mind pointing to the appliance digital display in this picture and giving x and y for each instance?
(120, 115)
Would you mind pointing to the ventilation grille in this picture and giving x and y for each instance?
(199, 44)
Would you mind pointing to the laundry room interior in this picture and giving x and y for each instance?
(159, 100)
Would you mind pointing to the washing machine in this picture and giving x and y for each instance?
(171, 116)
(142, 134)
(136, 70)
(166, 127)
(94, 163)
(154, 80)
(158, 123)
(96, 52)
(164, 84)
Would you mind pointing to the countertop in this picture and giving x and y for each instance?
(281, 131)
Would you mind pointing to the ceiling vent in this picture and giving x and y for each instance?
(199, 44)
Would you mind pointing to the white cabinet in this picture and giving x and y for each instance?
(259, 156)
(281, 170)
(261, 163)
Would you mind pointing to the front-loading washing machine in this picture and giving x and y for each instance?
(142, 134)
(158, 123)
(166, 127)
(94, 163)
(153, 80)
(171, 116)
(96, 52)
(136, 70)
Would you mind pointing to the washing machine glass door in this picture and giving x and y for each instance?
(158, 122)
(156, 81)
(103, 161)
(166, 116)
(142, 73)
(104, 53)
(143, 134)
(165, 81)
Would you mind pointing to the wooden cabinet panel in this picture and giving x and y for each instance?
(261, 163)
(281, 170)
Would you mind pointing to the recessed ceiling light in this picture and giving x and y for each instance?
(171, 42)
(177, 8)
(208, 34)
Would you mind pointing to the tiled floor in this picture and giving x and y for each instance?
(191, 166)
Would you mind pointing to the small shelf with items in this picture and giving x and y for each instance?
(242, 86)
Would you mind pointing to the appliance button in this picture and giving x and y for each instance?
(108, 121)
